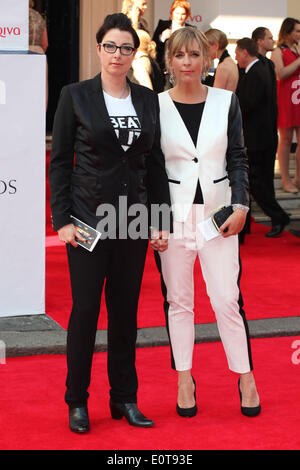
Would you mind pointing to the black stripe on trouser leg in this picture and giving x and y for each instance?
(243, 315)
(166, 305)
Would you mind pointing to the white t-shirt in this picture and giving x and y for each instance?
(124, 119)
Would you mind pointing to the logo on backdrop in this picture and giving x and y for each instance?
(6, 31)
(8, 187)
(2, 92)
(195, 19)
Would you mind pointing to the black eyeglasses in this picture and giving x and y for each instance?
(111, 48)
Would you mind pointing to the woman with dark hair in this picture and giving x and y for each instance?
(180, 13)
(286, 57)
(106, 149)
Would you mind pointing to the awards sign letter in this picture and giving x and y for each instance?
(14, 19)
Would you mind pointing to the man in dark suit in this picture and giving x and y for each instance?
(257, 97)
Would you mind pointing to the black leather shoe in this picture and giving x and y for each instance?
(275, 231)
(188, 412)
(131, 412)
(79, 419)
(249, 411)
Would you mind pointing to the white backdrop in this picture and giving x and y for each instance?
(13, 25)
(237, 18)
(22, 184)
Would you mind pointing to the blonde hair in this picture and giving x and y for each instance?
(184, 37)
(215, 35)
(146, 44)
(126, 6)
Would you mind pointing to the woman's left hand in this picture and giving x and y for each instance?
(234, 224)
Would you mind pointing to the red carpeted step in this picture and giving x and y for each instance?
(34, 415)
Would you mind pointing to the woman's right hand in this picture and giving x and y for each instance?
(68, 234)
(165, 34)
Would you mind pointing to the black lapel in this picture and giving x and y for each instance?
(137, 100)
(98, 100)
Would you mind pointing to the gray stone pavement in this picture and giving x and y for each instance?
(39, 334)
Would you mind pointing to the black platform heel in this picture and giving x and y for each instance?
(188, 412)
(131, 412)
(249, 411)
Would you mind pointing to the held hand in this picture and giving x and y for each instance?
(234, 224)
(159, 240)
(166, 34)
(68, 234)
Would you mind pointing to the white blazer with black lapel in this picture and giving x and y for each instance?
(185, 163)
(101, 170)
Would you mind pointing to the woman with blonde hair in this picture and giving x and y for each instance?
(145, 69)
(207, 167)
(135, 10)
(226, 75)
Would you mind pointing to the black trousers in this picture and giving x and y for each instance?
(120, 265)
(261, 180)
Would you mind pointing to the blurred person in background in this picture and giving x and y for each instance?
(180, 13)
(226, 75)
(256, 96)
(135, 10)
(145, 69)
(286, 57)
(38, 36)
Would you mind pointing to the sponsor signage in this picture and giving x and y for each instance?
(22, 183)
(13, 25)
(237, 19)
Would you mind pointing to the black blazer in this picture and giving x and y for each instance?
(256, 95)
(160, 46)
(89, 167)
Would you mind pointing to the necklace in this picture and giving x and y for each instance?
(122, 95)
(124, 92)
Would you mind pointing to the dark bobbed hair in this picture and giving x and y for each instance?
(286, 28)
(248, 44)
(259, 33)
(117, 21)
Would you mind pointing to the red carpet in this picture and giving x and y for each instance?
(270, 279)
(34, 416)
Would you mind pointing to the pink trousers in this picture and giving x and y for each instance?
(219, 260)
